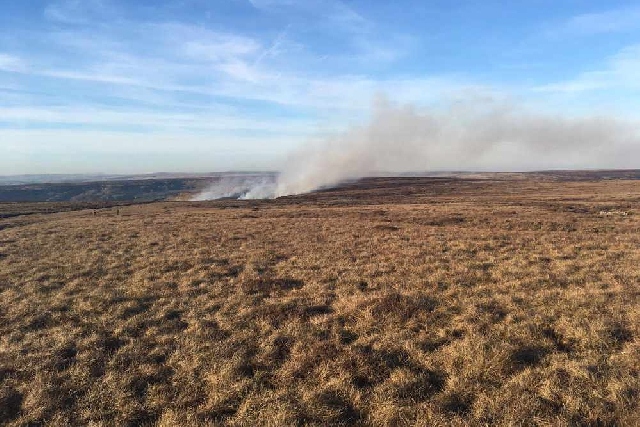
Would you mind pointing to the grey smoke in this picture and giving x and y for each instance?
(470, 135)
(239, 187)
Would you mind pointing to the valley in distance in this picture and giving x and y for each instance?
(458, 299)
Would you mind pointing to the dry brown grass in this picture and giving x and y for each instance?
(437, 302)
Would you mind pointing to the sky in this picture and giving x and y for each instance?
(119, 86)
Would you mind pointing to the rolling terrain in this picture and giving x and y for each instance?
(106, 191)
(506, 300)
(113, 189)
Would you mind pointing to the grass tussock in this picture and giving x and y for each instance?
(458, 302)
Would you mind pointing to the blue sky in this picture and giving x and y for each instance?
(193, 85)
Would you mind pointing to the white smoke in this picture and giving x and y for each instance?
(239, 187)
(471, 135)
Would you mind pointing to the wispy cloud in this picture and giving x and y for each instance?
(177, 57)
(284, 68)
(92, 116)
(78, 11)
(620, 71)
(608, 21)
(11, 63)
(160, 59)
(361, 37)
(269, 4)
(335, 11)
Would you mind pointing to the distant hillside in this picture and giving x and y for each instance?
(154, 187)
(69, 178)
(125, 190)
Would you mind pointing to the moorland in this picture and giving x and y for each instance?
(502, 300)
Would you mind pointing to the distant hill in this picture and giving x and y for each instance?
(68, 178)
(166, 186)
(124, 190)
(108, 188)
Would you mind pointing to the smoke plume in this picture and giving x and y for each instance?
(475, 136)
(239, 187)
(470, 135)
